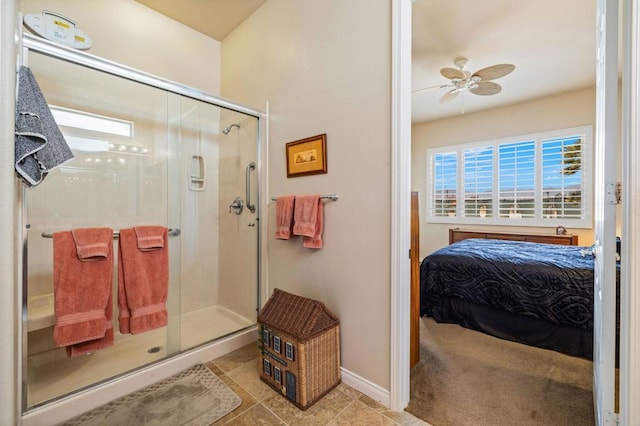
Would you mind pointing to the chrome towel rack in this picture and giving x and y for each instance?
(172, 232)
(332, 197)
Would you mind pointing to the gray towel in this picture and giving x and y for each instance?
(40, 145)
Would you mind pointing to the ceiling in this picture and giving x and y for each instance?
(551, 43)
(215, 18)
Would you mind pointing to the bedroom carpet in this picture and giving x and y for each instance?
(469, 378)
(194, 397)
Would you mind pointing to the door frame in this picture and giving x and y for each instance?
(400, 204)
(401, 148)
(606, 142)
(630, 295)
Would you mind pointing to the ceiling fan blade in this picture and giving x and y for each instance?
(452, 73)
(449, 96)
(426, 89)
(486, 88)
(494, 71)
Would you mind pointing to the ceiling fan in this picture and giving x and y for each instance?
(478, 83)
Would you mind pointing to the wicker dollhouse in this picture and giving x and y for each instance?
(300, 342)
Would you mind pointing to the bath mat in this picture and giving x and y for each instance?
(193, 397)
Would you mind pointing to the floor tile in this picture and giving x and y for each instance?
(256, 415)
(238, 357)
(358, 413)
(248, 376)
(262, 405)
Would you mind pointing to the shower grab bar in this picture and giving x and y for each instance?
(172, 232)
(251, 166)
(332, 197)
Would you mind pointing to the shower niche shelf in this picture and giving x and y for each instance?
(196, 173)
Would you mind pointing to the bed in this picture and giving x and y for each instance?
(532, 289)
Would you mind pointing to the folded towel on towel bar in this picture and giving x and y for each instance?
(143, 278)
(315, 241)
(305, 215)
(284, 216)
(308, 220)
(83, 289)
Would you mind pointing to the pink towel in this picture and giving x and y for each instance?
(82, 289)
(316, 240)
(284, 216)
(143, 278)
(305, 215)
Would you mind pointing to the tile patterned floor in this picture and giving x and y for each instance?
(261, 405)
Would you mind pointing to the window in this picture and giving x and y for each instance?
(277, 375)
(276, 344)
(444, 178)
(534, 180)
(288, 351)
(266, 367)
(265, 337)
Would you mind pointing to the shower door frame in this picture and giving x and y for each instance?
(28, 43)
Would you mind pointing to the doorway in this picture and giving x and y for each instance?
(420, 175)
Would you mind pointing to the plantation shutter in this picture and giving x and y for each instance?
(478, 182)
(562, 178)
(516, 180)
(445, 182)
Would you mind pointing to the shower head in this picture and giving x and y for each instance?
(226, 130)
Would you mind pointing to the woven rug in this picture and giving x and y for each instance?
(193, 397)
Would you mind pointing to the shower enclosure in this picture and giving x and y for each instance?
(147, 152)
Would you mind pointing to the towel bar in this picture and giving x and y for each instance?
(332, 197)
(172, 232)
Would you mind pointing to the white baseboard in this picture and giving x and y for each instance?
(368, 388)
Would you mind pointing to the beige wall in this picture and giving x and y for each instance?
(571, 109)
(129, 33)
(325, 67)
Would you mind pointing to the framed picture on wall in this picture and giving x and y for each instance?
(307, 156)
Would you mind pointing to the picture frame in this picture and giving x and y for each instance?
(307, 156)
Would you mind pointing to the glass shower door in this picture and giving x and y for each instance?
(143, 156)
(118, 132)
(219, 258)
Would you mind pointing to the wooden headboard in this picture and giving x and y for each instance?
(457, 234)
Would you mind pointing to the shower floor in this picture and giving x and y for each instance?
(52, 374)
(208, 324)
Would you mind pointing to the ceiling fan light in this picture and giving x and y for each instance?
(473, 85)
(476, 78)
(460, 62)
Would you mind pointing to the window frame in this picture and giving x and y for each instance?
(277, 374)
(538, 219)
(276, 344)
(289, 351)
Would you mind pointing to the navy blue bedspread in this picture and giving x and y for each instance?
(544, 281)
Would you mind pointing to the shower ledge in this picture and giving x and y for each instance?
(40, 312)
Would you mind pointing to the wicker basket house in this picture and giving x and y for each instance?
(300, 340)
